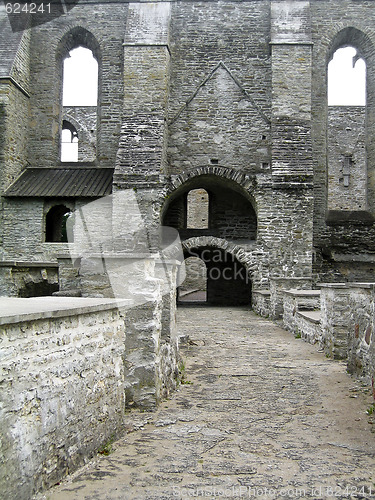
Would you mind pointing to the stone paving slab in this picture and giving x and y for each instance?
(260, 415)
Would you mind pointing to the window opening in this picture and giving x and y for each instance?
(56, 220)
(197, 209)
(348, 160)
(347, 78)
(80, 81)
(69, 142)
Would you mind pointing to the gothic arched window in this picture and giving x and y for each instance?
(79, 62)
(347, 78)
(80, 78)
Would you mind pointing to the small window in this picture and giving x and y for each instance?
(56, 220)
(347, 78)
(197, 209)
(69, 142)
(347, 165)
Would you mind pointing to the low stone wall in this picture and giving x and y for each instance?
(308, 325)
(261, 302)
(341, 318)
(277, 288)
(336, 319)
(299, 315)
(62, 388)
(348, 322)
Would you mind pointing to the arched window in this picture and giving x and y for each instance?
(347, 78)
(346, 138)
(80, 80)
(69, 142)
(197, 209)
(56, 224)
(78, 57)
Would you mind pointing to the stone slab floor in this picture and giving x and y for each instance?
(260, 415)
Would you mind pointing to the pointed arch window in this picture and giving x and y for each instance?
(347, 78)
(80, 77)
(347, 122)
(79, 59)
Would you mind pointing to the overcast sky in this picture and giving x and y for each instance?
(80, 79)
(346, 84)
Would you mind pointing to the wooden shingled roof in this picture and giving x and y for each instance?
(61, 182)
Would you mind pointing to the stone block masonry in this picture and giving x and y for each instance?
(62, 387)
(348, 324)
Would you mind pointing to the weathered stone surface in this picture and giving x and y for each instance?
(62, 378)
(348, 324)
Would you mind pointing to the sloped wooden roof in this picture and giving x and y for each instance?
(61, 182)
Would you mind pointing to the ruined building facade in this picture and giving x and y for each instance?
(215, 114)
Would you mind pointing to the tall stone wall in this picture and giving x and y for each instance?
(187, 87)
(219, 111)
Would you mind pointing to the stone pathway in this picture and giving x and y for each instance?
(260, 415)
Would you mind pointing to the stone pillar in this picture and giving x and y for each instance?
(335, 319)
(69, 279)
(151, 356)
(141, 156)
(292, 167)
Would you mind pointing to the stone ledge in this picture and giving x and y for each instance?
(266, 293)
(18, 263)
(17, 310)
(313, 316)
(302, 293)
(342, 217)
(347, 285)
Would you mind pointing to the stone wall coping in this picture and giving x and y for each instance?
(348, 285)
(130, 256)
(290, 278)
(18, 263)
(312, 316)
(266, 293)
(302, 293)
(17, 310)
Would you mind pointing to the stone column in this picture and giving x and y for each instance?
(336, 316)
(292, 167)
(141, 156)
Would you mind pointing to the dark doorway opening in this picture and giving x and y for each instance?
(227, 282)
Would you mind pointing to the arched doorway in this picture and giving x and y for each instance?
(194, 287)
(227, 281)
(209, 205)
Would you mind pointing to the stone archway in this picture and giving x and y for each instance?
(228, 280)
